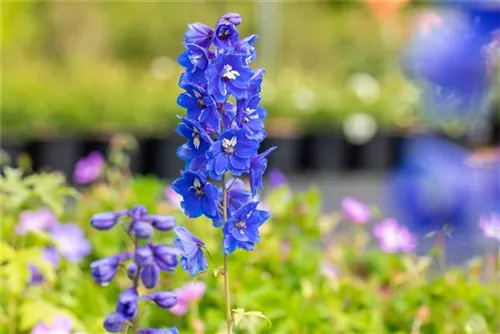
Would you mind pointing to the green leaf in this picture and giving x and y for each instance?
(260, 315)
(238, 315)
(35, 311)
(6, 252)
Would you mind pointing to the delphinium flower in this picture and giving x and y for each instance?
(187, 294)
(458, 46)
(393, 237)
(490, 226)
(143, 265)
(276, 179)
(356, 211)
(224, 127)
(89, 168)
(59, 325)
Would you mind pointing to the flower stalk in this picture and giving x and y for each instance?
(227, 288)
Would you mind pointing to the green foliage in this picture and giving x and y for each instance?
(283, 282)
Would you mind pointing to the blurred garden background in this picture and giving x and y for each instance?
(350, 118)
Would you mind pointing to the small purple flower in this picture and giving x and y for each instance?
(165, 257)
(141, 230)
(393, 237)
(60, 325)
(163, 299)
(356, 211)
(104, 220)
(233, 18)
(491, 226)
(242, 229)
(138, 212)
(276, 179)
(114, 322)
(229, 75)
(199, 195)
(193, 259)
(226, 35)
(70, 241)
(258, 165)
(104, 270)
(232, 152)
(89, 168)
(150, 275)
(35, 221)
(171, 330)
(127, 304)
(199, 34)
(161, 222)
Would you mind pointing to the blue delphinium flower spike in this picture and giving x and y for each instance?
(258, 165)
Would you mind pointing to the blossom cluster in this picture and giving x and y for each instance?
(144, 263)
(224, 127)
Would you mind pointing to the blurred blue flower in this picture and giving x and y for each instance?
(150, 275)
(165, 257)
(104, 270)
(172, 330)
(164, 299)
(242, 229)
(114, 322)
(193, 259)
(277, 178)
(433, 186)
(70, 241)
(127, 304)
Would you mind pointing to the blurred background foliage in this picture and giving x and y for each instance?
(90, 68)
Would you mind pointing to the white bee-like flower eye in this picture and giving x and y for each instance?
(229, 73)
(197, 183)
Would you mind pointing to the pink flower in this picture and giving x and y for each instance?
(490, 227)
(393, 237)
(35, 221)
(174, 198)
(355, 211)
(190, 293)
(329, 271)
(89, 168)
(60, 325)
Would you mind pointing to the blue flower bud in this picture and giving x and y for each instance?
(166, 257)
(104, 220)
(127, 304)
(114, 322)
(163, 299)
(199, 34)
(138, 211)
(132, 271)
(142, 230)
(143, 255)
(104, 270)
(162, 223)
(150, 275)
(172, 330)
(233, 18)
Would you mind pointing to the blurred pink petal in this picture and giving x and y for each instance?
(35, 221)
(394, 238)
(491, 226)
(180, 308)
(355, 211)
(89, 168)
(173, 197)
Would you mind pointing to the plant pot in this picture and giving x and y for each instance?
(286, 157)
(165, 163)
(60, 154)
(324, 152)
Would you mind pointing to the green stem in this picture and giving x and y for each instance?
(135, 322)
(441, 257)
(227, 290)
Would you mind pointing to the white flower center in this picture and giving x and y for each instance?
(196, 138)
(229, 73)
(229, 144)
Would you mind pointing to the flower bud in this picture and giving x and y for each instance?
(142, 230)
(127, 304)
(104, 270)
(233, 18)
(199, 34)
(172, 330)
(162, 223)
(150, 275)
(163, 299)
(165, 257)
(143, 255)
(132, 271)
(114, 322)
(104, 220)
(138, 211)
